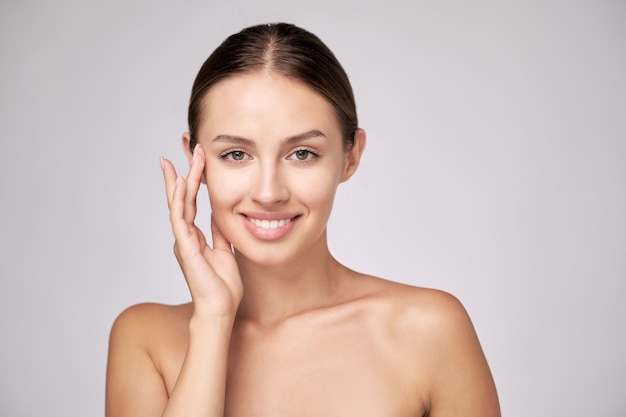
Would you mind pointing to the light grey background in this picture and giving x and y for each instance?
(495, 170)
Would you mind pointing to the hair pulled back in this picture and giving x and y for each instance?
(287, 50)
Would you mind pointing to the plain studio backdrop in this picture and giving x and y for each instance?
(495, 170)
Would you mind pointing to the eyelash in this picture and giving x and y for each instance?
(314, 155)
(228, 155)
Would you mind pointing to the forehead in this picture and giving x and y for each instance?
(265, 104)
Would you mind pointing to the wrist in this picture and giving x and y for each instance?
(202, 322)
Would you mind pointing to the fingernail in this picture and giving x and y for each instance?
(162, 162)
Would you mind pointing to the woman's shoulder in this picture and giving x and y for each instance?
(145, 324)
(427, 304)
(419, 310)
(410, 297)
(430, 330)
(147, 314)
(146, 349)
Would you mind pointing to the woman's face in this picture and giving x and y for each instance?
(274, 158)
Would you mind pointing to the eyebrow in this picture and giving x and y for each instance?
(288, 141)
(304, 136)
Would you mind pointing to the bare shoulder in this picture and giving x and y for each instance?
(417, 307)
(430, 332)
(420, 317)
(434, 323)
(144, 321)
(144, 357)
(157, 330)
(429, 310)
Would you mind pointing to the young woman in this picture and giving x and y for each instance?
(276, 326)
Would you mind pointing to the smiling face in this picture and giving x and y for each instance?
(274, 158)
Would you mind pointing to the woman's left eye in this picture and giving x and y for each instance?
(303, 155)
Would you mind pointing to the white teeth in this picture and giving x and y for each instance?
(270, 224)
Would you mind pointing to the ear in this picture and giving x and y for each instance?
(186, 140)
(353, 156)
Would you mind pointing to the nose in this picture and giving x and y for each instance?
(269, 188)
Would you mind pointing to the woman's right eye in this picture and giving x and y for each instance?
(235, 155)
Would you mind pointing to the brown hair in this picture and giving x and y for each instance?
(287, 50)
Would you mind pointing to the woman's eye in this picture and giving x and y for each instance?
(303, 155)
(237, 155)
(234, 155)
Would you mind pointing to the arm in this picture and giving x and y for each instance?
(134, 384)
(462, 381)
(132, 376)
(201, 385)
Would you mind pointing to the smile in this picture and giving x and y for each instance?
(269, 224)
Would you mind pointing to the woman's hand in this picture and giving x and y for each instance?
(212, 274)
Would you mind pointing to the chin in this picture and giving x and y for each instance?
(270, 257)
(277, 254)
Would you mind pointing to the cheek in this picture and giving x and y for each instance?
(222, 188)
(316, 190)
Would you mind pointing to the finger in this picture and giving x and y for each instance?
(177, 209)
(219, 240)
(193, 183)
(169, 175)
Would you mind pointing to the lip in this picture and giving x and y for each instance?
(272, 233)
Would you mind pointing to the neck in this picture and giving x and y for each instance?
(273, 293)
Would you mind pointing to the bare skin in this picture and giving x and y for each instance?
(278, 327)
